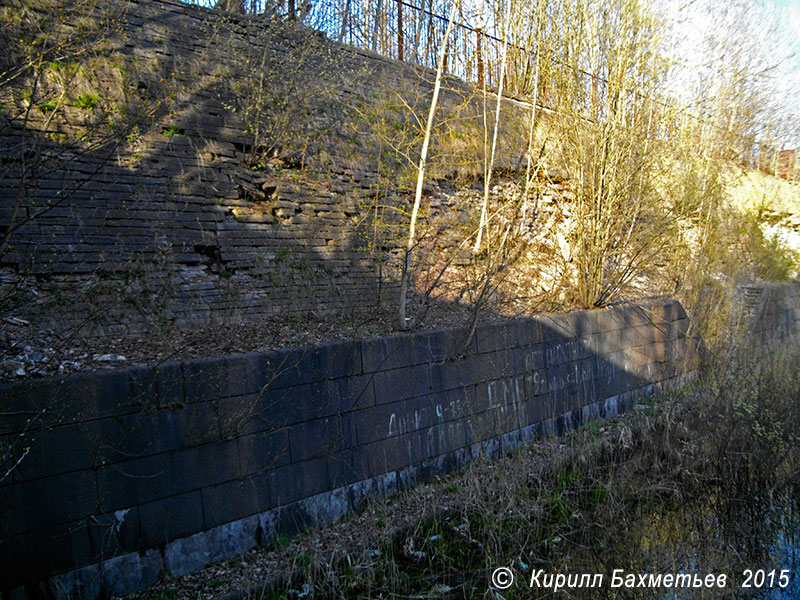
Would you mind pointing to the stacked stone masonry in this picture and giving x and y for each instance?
(170, 467)
(122, 475)
(768, 313)
(119, 476)
(174, 223)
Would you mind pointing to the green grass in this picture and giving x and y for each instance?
(48, 106)
(171, 130)
(86, 101)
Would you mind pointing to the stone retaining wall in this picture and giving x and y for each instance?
(185, 216)
(112, 478)
(122, 475)
(769, 313)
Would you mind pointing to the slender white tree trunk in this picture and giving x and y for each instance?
(488, 178)
(534, 100)
(403, 321)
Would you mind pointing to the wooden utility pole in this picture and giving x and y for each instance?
(479, 54)
(400, 30)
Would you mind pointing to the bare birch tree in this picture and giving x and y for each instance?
(530, 173)
(411, 242)
(487, 180)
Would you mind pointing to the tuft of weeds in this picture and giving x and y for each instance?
(87, 101)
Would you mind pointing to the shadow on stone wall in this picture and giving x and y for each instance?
(175, 224)
(172, 467)
(243, 182)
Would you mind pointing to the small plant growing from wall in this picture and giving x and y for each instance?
(87, 101)
(171, 130)
(274, 93)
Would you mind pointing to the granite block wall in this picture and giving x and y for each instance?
(118, 476)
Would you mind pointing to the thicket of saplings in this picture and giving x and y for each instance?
(645, 206)
(703, 480)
